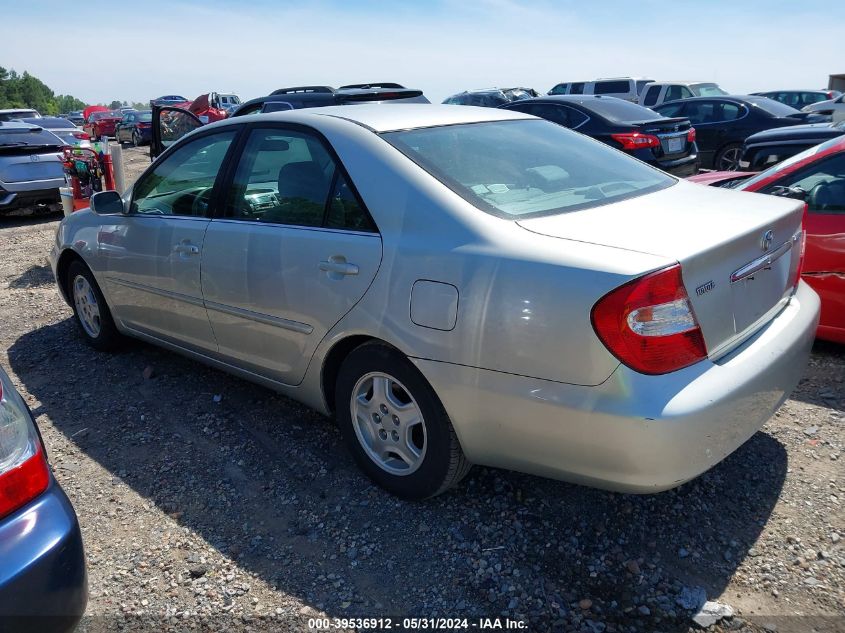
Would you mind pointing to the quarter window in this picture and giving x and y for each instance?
(289, 177)
(182, 183)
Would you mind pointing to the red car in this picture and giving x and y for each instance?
(816, 175)
(99, 124)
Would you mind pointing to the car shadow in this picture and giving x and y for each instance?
(268, 483)
(826, 365)
(34, 277)
(31, 219)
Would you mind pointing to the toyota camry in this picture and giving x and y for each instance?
(457, 286)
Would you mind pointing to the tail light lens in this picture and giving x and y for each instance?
(23, 467)
(691, 135)
(636, 140)
(82, 136)
(649, 323)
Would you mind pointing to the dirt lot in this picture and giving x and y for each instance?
(207, 502)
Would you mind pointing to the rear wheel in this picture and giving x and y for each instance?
(395, 425)
(136, 138)
(727, 159)
(89, 307)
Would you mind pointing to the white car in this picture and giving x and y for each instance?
(456, 286)
(658, 92)
(833, 107)
(627, 88)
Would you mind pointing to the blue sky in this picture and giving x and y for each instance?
(190, 46)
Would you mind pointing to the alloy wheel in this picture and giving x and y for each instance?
(388, 423)
(729, 160)
(87, 308)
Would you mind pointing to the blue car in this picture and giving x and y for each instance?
(43, 581)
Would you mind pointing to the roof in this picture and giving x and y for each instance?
(50, 122)
(8, 110)
(6, 126)
(684, 82)
(391, 117)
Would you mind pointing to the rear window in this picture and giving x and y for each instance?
(775, 108)
(519, 169)
(145, 116)
(18, 114)
(612, 87)
(23, 137)
(619, 111)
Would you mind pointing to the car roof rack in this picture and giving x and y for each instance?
(320, 89)
(383, 84)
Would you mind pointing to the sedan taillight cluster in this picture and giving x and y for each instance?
(649, 323)
(23, 467)
(636, 140)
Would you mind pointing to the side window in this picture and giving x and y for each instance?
(289, 177)
(559, 89)
(824, 183)
(550, 113)
(612, 87)
(576, 117)
(577, 88)
(651, 96)
(182, 183)
(674, 109)
(729, 112)
(700, 112)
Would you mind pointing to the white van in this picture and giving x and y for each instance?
(627, 88)
(658, 92)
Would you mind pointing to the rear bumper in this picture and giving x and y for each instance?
(633, 433)
(39, 199)
(43, 581)
(680, 167)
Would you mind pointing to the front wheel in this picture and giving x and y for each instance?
(728, 157)
(89, 307)
(395, 425)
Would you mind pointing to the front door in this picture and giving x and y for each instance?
(154, 254)
(169, 124)
(294, 251)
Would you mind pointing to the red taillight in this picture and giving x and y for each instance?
(636, 140)
(649, 323)
(691, 135)
(23, 468)
(82, 136)
(144, 125)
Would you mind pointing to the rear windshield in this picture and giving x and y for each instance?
(22, 137)
(620, 111)
(101, 115)
(18, 114)
(707, 90)
(775, 108)
(519, 169)
(145, 116)
(50, 122)
(611, 87)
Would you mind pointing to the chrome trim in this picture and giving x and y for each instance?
(760, 263)
(169, 294)
(266, 319)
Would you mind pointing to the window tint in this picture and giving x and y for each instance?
(577, 88)
(824, 183)
(276, 106)
(729, 112)
(549, 112)
(289, 177)
(182, 183)
(675, 92)
(559, 89)
(619, 111)
(526, 168)
(612, 87)
(651, 96)
(672, 109)
(700, 112)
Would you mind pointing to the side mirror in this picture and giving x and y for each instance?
(107, 203)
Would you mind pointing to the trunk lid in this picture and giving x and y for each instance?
(738, 251)
(20, 165)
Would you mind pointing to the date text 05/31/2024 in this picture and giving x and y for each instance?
(422, 624)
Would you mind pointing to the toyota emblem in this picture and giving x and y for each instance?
(766, 242)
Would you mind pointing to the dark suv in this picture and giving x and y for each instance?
(491, 97)
(317, 96)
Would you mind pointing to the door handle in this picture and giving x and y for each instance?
(186, 248)
(336, 267)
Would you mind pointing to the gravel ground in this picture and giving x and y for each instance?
(209, 503)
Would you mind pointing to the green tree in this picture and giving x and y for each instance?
(27, 91)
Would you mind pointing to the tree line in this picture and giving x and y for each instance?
(26, 91)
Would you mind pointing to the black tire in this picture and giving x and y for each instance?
(727, 158)
(136, 139)
(107, 338)
(443, 464)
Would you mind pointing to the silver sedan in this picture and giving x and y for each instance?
(458, 286)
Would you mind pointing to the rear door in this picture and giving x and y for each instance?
(824, 261)
(293, 251)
